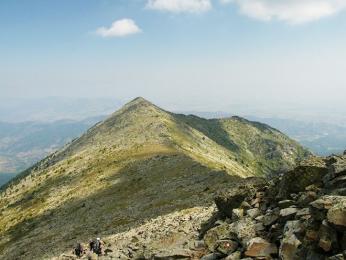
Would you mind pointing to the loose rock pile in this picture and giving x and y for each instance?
(298, 215)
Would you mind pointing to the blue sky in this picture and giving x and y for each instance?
(206, 52)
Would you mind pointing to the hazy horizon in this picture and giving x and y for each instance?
(50, 109)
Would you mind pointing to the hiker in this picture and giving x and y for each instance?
(98, 246)
(79, 251)
(91, 245)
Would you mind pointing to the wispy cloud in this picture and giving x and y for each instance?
(289, 11)
(120, 28)
(180, 6)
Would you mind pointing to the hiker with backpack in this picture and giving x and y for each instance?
(97, 246)
(79, 250)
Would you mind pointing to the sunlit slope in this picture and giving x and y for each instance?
(140, 163)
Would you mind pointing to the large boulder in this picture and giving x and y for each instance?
(337, 166)
(337, 214)
(230, 199)
(307, 173)
(335, 180)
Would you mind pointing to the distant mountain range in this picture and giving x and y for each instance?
(140, 163)
(51, 109)
(23, 144)
(321, 138)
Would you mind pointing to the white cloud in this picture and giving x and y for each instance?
(290, 11)
(180, 6)
(120, 28)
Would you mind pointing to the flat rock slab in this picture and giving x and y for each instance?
(288, 212)
(258, 247)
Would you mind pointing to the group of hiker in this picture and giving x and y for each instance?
(95, 246)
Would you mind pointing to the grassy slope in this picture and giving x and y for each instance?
(140, 163)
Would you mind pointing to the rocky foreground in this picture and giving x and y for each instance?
(299, 215)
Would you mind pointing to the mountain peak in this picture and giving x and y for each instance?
(139, 100)
(139, 104)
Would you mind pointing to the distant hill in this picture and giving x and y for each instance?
(23, 144)
(139, 164)
(321, 138)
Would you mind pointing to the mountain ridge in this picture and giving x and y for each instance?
(139, 163)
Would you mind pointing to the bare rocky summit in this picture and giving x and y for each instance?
(143, 180)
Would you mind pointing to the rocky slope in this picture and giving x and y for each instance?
(141, 165)
(299, 215)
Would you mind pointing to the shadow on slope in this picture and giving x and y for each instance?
(140, 191)
(211, 128)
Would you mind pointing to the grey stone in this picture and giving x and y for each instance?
(293, 227)
(288, 212)
(253, 213)
(270, 218)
